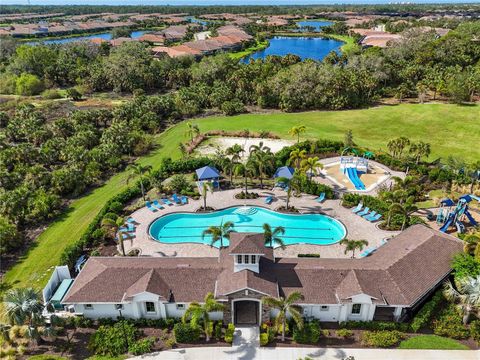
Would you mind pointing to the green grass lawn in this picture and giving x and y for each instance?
(250, 50)
(450, 129)
(432, 342)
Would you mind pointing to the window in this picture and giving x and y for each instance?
(150, 307)
(356, 309)
(118, 306)
(324, 308)
(239, 259)
(246, 259)
(88, 307)
(254, 259)
(180, 306)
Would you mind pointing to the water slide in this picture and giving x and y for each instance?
(353, 176)
(470, 218)
(447, 224)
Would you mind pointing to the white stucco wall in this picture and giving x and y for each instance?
(315, 311)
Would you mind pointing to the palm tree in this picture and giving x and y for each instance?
(206, 188)
(264, 163)
(24, 307)
(297, 131)
(472, 244)
(192, 130)
(296, 156)
(113, 226)
(419, 150)
(234, 151)
(273, 236)
(259, 148)
(310, 165)
(353, 245)
(291, 184)
(201, 312)
(246, 170)
(404, 209)
(218, 233)
(284, 306)
(466, 295)
(139, 170)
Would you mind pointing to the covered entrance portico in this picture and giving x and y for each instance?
(246, 312)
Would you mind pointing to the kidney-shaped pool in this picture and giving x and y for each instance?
(312, 229)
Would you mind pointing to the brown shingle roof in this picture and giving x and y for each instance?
(247, 243)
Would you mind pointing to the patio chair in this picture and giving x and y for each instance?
(184, 200)
(372, 213)
(157, 205)
(358, 208)
(130, 228)
(367, 252)
(375, 218)
(167, 202)
(150, 207)
(176, 199)
(268, 200)
(131, 220)
(321, 197)
(364, 212)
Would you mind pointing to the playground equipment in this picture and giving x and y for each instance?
(354, 165)
(449, 217)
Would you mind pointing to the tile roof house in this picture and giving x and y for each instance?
(388, 285)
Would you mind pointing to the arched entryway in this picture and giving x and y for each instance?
(246, 312)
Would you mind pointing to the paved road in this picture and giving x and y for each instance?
(248, 352)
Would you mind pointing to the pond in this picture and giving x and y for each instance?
(105, 36)
(315, 48)
(317, 24)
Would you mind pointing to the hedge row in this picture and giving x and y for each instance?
(425, 315)
(351, 200)
(375, 325)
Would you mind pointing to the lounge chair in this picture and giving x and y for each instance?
(367, 252)
(372, 213)
(184, 200)
(374, 218)
(268, 200)
(321, 197)
(157, 205)
(358, 208)
(364, 212)
(176, 199)
(131, 220)
(125, 235)
(167, 202)
(130, 228)
(150, 207)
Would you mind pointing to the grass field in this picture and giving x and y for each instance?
(432, 342)
(451, 130)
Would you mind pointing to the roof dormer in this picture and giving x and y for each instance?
(247, 250)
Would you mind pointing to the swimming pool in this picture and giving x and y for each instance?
(299, 229)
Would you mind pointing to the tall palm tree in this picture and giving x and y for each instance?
(466, 295)
(310, 165)
(207, 187)
(112, 226)
(284, 306)
(297, 131)
(197, 313)
(259, 148)
(292, 184)
(264, 163)
(273, 236)
(405, 209)
(192, 130)
(353, 245)
(218, 233)
(296, 157)
(234, 151)
(140, 171)
(247, 170)
(419, 150)
(24, 307)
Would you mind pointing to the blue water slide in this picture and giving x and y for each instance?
(470, 218)
(360, 183)
(447, 224)
(351, 175)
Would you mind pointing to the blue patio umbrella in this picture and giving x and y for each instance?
(207, 173)
(284, 171)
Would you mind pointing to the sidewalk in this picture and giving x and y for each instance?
(284, 353)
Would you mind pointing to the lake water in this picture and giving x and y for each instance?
(315, 48)
(317, 24)
(105, 36)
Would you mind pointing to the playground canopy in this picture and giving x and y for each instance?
(284, 171)
(447, 202)
(207, 173)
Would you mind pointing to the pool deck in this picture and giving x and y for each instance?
(357, 227)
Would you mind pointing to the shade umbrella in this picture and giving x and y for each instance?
(284, 171)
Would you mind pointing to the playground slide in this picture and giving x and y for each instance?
(353, 176)
(447, 223)
(470, 218)
(460, 227)
(357, 179)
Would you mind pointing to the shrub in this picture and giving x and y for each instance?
(142, 346)
(351, 200)
(186, 333)
(74, 94)
(250, 195)
(375, 325)
(345, 333)
(263, 339)
(28, 84)
(382, 338)
(426, 313)
(115, 207)
(229, 333)
(218, 330)
(112, 340)
(465, 265)
(51, 94)
(232, 107)
(309, 334)
(180, 183)
(449, 324)
(475, 330)
(325, 332)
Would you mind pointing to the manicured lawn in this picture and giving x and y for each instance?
(450, 129)
(241, 54)
(432, 342)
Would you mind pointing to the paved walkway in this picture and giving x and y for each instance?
(246, 342)
(357, 227)
(284, 353)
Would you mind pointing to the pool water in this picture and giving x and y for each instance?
(299, 229)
